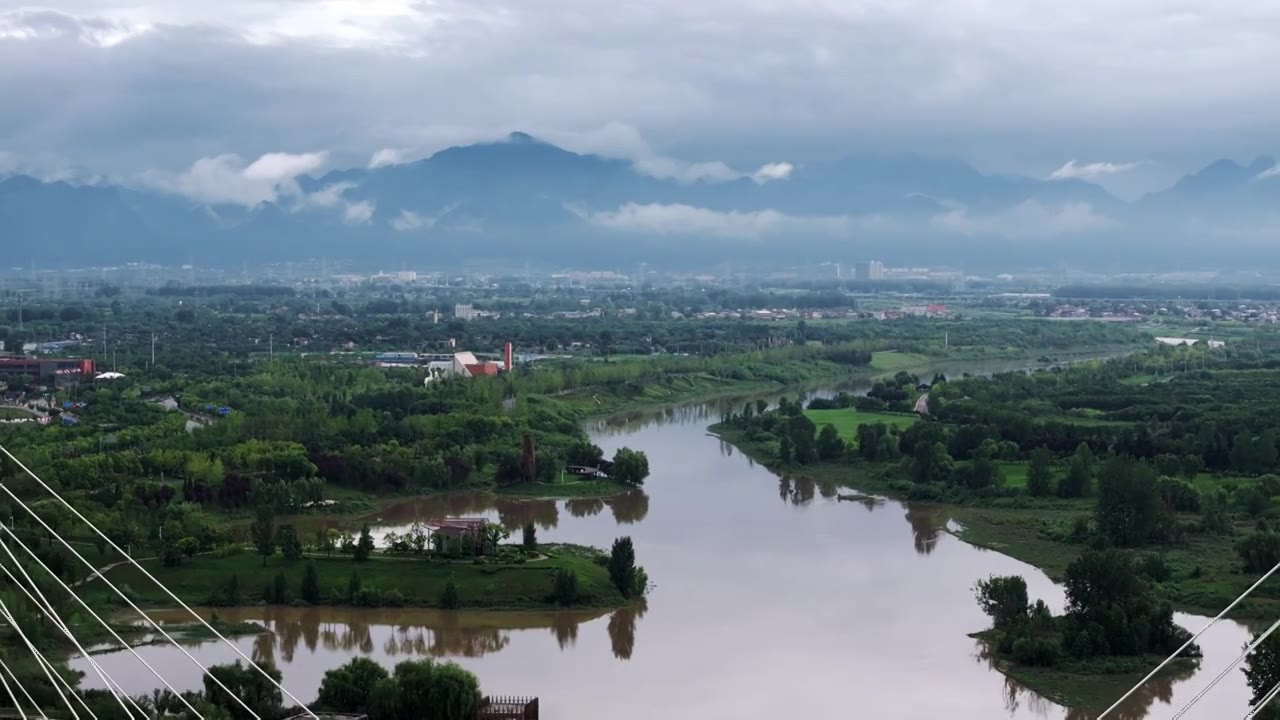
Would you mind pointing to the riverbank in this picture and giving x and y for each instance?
(688, 389)
(1204, 573)
(1091, 686)
(241, 578)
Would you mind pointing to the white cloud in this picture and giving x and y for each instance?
(359, 213)
(1270, 172)
(332, 196)
(227, 179)
(389, 156)
(772, 171)
(669, 219)
(1090, 171)
(409, 220)
(620, 140)
(1030, 219)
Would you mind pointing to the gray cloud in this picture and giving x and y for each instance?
(1029, 219)
(127, 85)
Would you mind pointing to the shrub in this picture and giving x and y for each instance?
(449, 598)
(1037, 651)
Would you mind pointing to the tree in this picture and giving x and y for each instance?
(1260, 551)
(786, 449)
(1262, 670)
(414, 680)
(801, 430)
(830, 446)
(280, 591)
(564, 587)
(310, 590)
(364, 547)
(1129, 510)
(189, 546)
(263, 532)
(630, 466)
(1079, 478)
(930, 463)
(530, 537)
(288, 542)
(449, 598)
(622, 566)
(346, 689)
(1114, 611)
(455, 693)
(493, 535)
(251, 687)
(1040, 473)
(354, 585)
(1003, 599)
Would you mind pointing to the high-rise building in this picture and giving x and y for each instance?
(868, 270)
(465, 312)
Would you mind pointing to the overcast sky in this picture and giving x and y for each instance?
(1128, 92)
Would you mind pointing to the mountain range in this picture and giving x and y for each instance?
(521, 200)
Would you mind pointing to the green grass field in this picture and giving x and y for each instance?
(422, 582)
(891, 361)
(12, 413)
(847, 420)
(1015, 473)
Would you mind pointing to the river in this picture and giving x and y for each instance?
(771, 598)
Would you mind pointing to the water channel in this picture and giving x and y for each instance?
(771, 599)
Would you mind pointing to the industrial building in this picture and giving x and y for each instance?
(56, 370)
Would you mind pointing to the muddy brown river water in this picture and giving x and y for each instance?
(771, 599)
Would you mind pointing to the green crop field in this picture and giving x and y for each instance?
(893, 361)
(847, 420)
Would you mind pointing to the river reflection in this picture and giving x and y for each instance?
(771, 598)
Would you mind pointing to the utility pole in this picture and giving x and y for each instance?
(153, 350)
(104, 342)
(271, 347)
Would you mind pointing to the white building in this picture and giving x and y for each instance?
(465, 312)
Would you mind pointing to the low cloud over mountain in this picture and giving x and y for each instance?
(523, 199)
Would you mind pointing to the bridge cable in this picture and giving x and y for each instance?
(4, 670)
(160, 585)
(131, 603)
(1188, 643)
(47, 608)
(44, 664)
(1262, 703)
(126, 645)
(1227, 670)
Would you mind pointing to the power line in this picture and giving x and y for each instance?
(124, 597)
(160, 585)
(4, 670)
(47, 608)
(1177, 652)
(1250, 648)
(40, 660)
(102, 622)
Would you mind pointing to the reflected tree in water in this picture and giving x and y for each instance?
(1137, 707)
(924, 527)
(622, 628)
(827, 489)
(565, 627)
(584, 507)
(515, 514)
(798, 490)
(629, 507)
